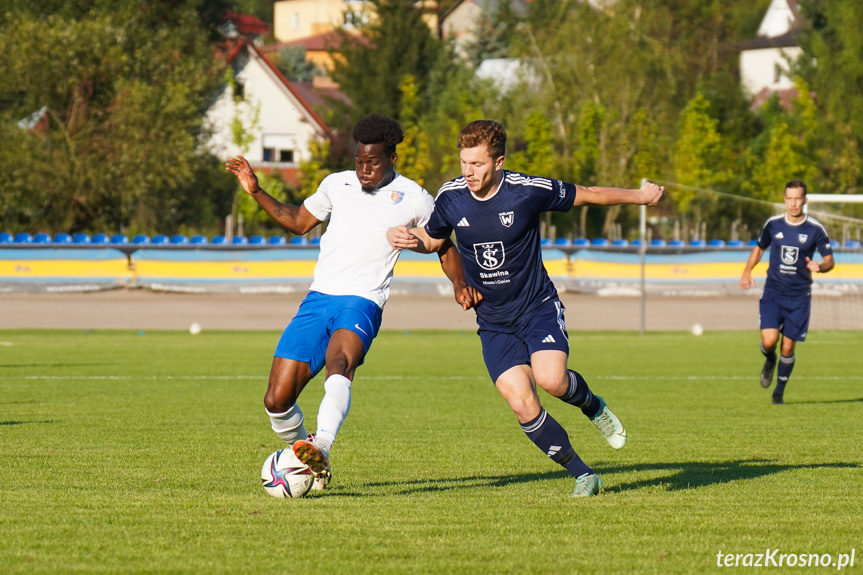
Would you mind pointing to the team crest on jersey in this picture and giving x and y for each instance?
(489, 255)
(506, 218)
(396, 197)
(789, 254)
(802, 238)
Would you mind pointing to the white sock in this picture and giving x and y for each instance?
(333, 410)
(289, 425)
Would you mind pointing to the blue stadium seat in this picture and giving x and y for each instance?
(179, 239)
(239, 240)
(697, 243)
(600, 242)
(315, 241)
(752, 243)
(62, 238)
(621, 243)
(257, 240)
(6, 238)
(198, 240)
(676, 243)
(277, 241)
(298, 241)
(582, 242)
(562, 242)
(160, 239)
(636, 242)
(100, 239)
(119, 239)
(735, 243)
(81, 238)
(42, 238)
(853, 244)
(141, 239)
(658, 243)
(716, 243)
(23, 238)
(835, 245)
(545, 242)
(218, 240)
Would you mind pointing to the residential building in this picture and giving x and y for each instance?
(764, 61)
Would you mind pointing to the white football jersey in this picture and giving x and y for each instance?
(356, 258)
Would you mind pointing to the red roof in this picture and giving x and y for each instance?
(247, 24)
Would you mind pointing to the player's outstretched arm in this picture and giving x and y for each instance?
(746, 280)
(649, 194)
(414, 239)
(295, 219)
(450, 261)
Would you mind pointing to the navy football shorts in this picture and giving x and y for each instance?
(507, 347)
(789, 315)
(307, 336)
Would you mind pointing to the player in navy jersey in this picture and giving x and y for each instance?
(341, 315)
(495, 216)
(793, 238)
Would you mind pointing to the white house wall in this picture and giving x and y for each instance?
(281, 119)
(758, 69)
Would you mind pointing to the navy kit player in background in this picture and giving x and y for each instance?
(495, 216)
(793, 238)
(342, 312)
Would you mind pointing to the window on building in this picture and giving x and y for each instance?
(275, 155)
(295, 21)
(286, 156)
(239, 90)
(269, 154)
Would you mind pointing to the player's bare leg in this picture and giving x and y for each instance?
(287, 380)
(345, 351)
(518, 388)
(769, 340)
(549, 369)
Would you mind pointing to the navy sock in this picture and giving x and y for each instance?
(552, 439)
(579, 394)
(783, 372)
(770, 355)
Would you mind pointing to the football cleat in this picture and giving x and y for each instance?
(777, 399)
(767, 372)
(587, 485)
(609, 425)
(313, 456)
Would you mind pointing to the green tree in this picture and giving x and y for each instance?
(291, 61)
(121, 89)
(396, 43)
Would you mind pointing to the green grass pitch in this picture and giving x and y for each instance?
(125, 452)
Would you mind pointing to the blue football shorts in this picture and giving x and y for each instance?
(307, 336)
(507, 347)
(789, 315)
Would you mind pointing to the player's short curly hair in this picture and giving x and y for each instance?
(484, 132)
(376, 129)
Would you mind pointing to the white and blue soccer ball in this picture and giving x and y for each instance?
(285, 476)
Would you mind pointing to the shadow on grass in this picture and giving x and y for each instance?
(858, 400)
(700, 474)
(679, 476)
(24, 422)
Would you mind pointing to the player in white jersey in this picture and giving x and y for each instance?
(341, 314)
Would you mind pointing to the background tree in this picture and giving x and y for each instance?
(121, 91)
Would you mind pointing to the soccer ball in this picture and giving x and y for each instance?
(284, 475)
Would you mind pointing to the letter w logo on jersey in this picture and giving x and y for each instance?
(506, 218)
(789, 254)
(489, 255)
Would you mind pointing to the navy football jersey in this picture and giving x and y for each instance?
(498, 239)
(790, 245)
